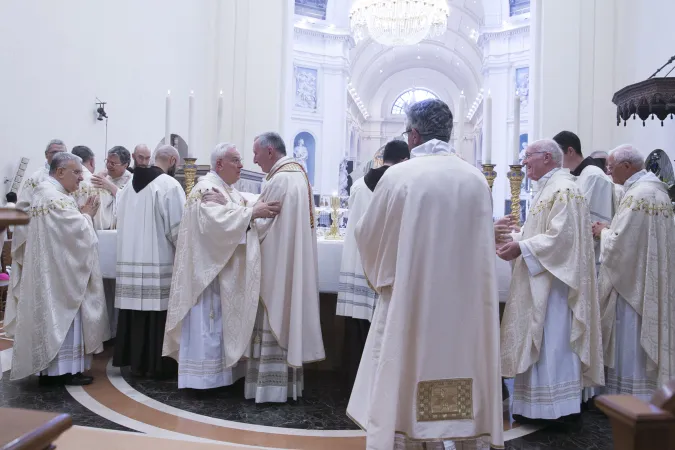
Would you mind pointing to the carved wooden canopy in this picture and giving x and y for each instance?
(654, 97)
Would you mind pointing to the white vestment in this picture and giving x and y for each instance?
(419, 380)
(598, 189)
(106, 217)
(355, 298)
(637, 289)
(51, 295)
(86, 189)
(147, 224)
(550, 332)
(289, 289)
(215, 289)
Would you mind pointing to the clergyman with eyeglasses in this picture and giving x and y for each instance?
(550, 332)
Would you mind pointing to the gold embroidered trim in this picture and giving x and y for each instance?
(295, 167)
(445, 400)
(651, 209)
(560, 196)
(52, 205)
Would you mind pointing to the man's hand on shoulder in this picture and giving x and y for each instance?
(102, 182)
(214, 196)
(262, 210)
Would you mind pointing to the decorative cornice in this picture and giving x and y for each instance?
(503, 34)
(340, 37)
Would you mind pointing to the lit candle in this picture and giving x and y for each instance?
(516, 129)
(191, 116)
(487, 129)
(460, 126)
(167, 124)
(220, 117)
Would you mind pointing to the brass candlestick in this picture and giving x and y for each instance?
(490, 174)
(334, 233)
(190, 171)
(515, 176)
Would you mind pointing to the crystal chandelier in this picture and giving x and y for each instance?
(398, 22)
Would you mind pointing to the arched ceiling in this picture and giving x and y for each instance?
(455, 54)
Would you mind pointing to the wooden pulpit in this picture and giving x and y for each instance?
(22, 429)
(639, 425)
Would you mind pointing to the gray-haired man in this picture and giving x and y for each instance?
(26, 193)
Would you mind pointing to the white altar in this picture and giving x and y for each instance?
(330, 257)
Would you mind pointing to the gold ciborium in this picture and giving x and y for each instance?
(334, 233)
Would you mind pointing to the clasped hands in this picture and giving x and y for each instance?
(100, 181)
(91, 206)
(597, 229)
(261, 210)
(507, 249)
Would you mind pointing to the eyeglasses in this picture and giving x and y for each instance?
(530, 155)
(112, 163)
(235, 161)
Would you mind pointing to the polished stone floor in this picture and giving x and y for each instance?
(322, 408)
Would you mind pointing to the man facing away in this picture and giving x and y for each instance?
(148, 217)
(216, 283)
(288, 331)
(418, 380)
(637, 288)
(60, 317)
(550, 333)
(356, 299)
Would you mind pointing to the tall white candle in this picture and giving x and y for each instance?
(191, 123)
(487, 129)
(219, 123)
(516, 129)
(460, 126)
(167, 120)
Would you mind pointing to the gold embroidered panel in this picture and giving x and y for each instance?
(445, 400)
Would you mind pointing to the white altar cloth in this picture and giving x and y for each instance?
(330, 257)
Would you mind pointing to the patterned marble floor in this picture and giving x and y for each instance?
(121, 402)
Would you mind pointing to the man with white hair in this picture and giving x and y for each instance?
(636, 284)
(26, 193)
(550, 333)
(287, 333)
(216, 282)
(59, 312)
(430, 367)
(148, 217)
(141, 156)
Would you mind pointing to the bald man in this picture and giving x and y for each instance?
(148, 216)
(141, 157)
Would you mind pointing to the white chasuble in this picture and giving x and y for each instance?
(289, 287)
(24, 200)
(106, 217)
(355, 298)
(59, 277)
(557, 239)
(430, 368)
(210, 256)
(637, 289)
(147, 224)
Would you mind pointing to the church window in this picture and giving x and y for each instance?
(408, 98)
(315, 9)
(518, 7)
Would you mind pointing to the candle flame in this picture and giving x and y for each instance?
(192, 92)
(168, 92)
(221, 92)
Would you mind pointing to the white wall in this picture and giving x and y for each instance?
(640, 49)
(607, 45)
(64, 54)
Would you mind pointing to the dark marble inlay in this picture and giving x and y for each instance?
(323, 405)
(29, 394)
